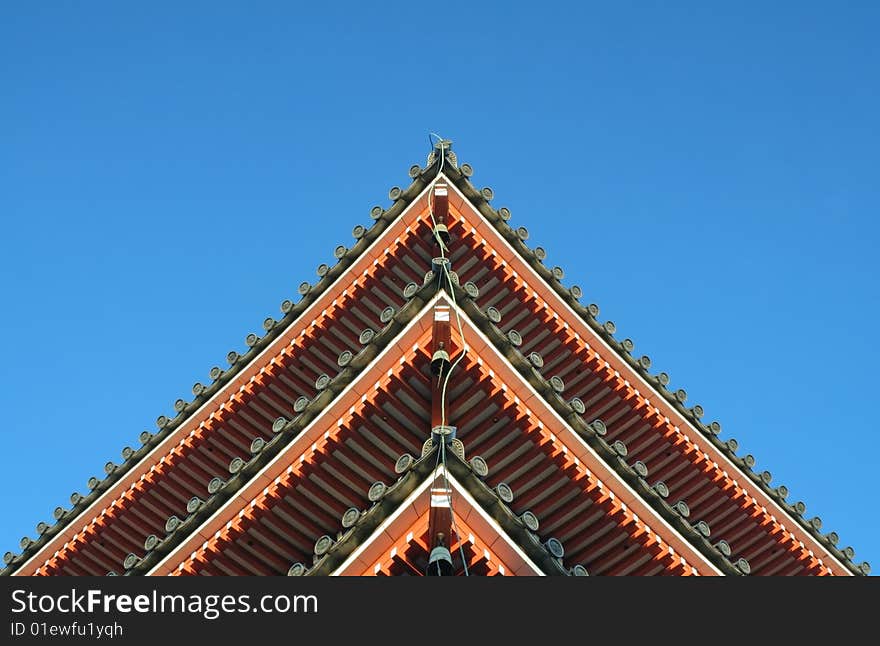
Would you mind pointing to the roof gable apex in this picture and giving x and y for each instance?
(526, 264)
(372, 555)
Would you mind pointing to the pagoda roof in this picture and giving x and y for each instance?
(246, 366)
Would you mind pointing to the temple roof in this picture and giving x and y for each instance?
(506, 342)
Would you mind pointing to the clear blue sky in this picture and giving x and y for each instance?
(169, 174)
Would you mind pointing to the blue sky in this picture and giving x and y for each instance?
(709, 176)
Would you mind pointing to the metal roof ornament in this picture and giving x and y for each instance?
(440, 559)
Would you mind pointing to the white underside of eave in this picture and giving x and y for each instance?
(459, 493)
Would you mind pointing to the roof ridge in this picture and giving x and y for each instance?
(383, 218)
(499, 218)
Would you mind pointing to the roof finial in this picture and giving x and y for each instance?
(441, 146)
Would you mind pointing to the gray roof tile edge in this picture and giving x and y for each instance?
(499, 220)
(383, 218)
